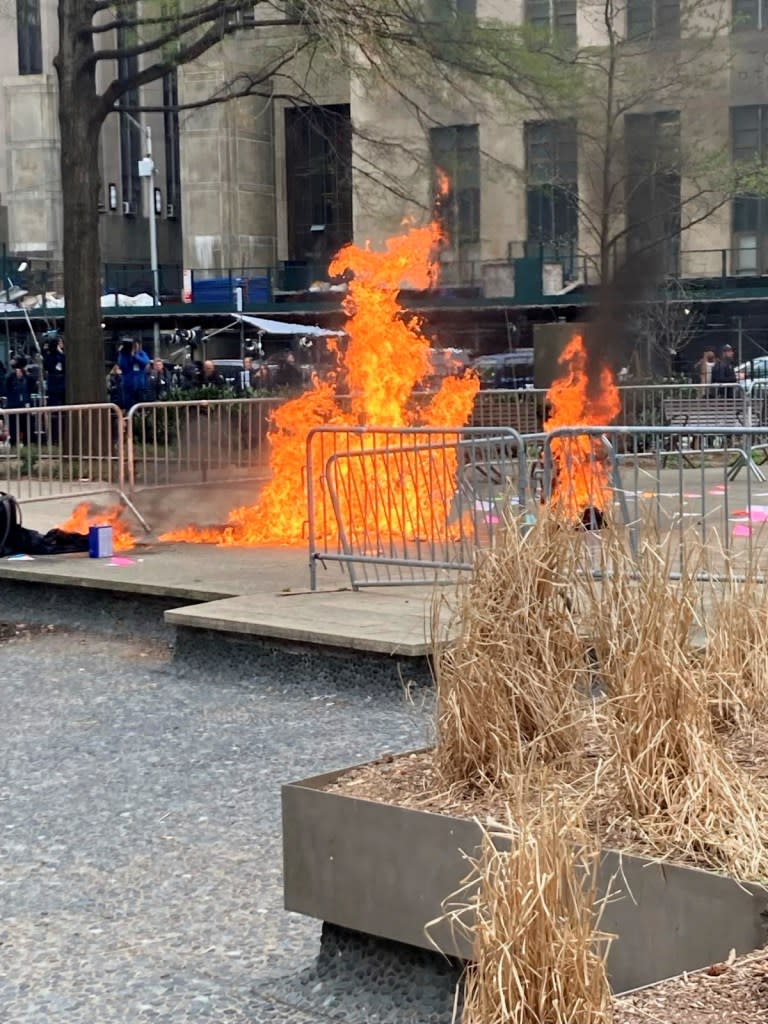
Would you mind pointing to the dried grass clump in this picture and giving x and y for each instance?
(683, 795)
(537, 952)
(508, 686)
(736, 653)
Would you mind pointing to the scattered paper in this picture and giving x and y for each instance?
(121, 561)
(741, 530)
(20, 558)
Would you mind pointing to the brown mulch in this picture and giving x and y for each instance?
(729, 993)
(411, 780)
(14, 631)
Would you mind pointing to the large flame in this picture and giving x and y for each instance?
(86, 515)
(581, 480)
(384, 360)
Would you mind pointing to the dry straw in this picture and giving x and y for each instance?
(681, 793)
(736, 654)
(538, 954)
(507, 684)
(538, 626)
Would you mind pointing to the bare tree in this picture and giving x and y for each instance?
(128, 44)
(642, 182)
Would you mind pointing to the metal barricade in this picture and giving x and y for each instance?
(199, 442)
(409, 505)
(652, 405)
(522, 410)
(684, 486)
(63, 451)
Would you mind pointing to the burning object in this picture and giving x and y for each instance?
(385, 360)
(581, 489)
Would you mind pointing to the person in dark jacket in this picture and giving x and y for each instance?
(211, 378)
(18, 395)
(724, 372)
(159, 381)
(133, 362)
(54, 365)
(115, 387)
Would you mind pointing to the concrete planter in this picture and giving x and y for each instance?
(385, 870)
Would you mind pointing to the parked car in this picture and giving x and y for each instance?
(753, 371)
(505, 369)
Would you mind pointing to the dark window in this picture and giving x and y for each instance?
(555, 16)
(552, 190)
(455, 152)
(441, 10)
(659, 19)
(172, 159)
(749, 213)
(130, 135)
(318, 144)
(749, 14)
(653, 186)
(28, 37)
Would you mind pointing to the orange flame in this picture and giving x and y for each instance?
(581, 477)
(86, 515)
(384, 360)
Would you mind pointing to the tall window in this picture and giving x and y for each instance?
(28, 37)
(552, 191)
(749, 14)
(657, 19)
(652, 187)
(555, 16)
(130, 137)
(455, 152)
(749, 213)
(318, 142)
(439, 10)
(171, 132)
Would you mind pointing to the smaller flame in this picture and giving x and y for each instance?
(443, 184)
(86, 515)
(581, 480)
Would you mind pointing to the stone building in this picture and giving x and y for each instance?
(30, 190)
(263, 186)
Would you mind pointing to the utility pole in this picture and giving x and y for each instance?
(147, 170)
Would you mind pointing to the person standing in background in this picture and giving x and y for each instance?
(133, 362)
(18, 391)
(54, 365)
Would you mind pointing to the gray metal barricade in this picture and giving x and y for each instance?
(52, 452)
(197, 442)
(683, 485)
(409, 505)
(652, 405)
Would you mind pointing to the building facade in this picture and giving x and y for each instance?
(284, 184)
(30, 189)
(267, 187)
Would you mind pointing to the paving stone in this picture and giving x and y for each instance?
(140, 846)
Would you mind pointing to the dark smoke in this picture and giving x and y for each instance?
(608, 338)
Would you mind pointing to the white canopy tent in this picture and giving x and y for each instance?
(280, 327)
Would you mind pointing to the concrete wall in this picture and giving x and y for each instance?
(388, 871)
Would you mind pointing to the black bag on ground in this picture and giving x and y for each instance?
(10, 522)
(16, 540)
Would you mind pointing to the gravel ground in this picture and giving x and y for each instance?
(140, 858)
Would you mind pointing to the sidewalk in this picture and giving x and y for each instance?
(254, 592)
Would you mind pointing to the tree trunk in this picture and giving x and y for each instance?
(80, 120)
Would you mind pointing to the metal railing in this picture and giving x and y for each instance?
(410, 505)
(198, 442)
(684, 486)
(53, 452)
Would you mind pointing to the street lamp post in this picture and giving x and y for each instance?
(147, 170)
